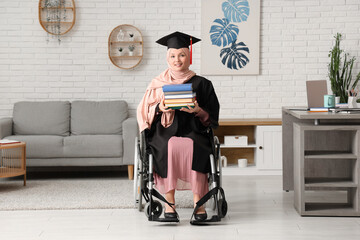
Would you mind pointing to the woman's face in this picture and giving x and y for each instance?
(178, 60)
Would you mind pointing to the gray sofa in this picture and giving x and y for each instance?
(80, 133)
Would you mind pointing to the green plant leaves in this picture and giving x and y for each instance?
(340, 74)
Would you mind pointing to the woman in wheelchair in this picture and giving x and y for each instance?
(179, 139)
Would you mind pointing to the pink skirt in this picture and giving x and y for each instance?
(180, 175)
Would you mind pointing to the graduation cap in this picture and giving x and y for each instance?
(178, 40)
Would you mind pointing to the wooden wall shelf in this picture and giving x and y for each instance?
(126, 56)
(54, 25)
(119, 37)
(140, 42)
(56, 8)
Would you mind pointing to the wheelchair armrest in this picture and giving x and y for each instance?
(143, 143)
(216, 141)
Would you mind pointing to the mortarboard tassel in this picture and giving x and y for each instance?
(190, 50)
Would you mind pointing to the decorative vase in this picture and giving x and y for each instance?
(121, 35)
(131, 53)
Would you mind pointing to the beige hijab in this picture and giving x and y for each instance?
(154, 94)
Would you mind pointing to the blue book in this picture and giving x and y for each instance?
(177, 87)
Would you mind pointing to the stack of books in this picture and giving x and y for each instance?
(179, 95)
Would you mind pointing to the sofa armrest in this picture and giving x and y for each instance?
(130, 132)
(5, 127)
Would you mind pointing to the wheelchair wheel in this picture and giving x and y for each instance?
(223, 207)
(155, 211)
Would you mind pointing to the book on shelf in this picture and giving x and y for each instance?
(177, 87)
(8, 141)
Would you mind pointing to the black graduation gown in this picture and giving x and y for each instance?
(186, 125)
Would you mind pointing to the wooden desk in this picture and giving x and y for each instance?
(289, 117)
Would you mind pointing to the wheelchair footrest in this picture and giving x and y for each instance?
(169, 220)
(214, 218)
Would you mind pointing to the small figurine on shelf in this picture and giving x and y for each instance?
(131, 50)
(120, 51)
(131, 36)
(121, 35)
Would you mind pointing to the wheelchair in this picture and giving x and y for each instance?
(144, 186)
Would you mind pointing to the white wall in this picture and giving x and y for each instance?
(296, 37)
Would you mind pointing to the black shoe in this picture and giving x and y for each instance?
(170, 215)
(200, 216)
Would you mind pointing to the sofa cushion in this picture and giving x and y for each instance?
(42, 118)
(90, 117)
(43, 146)
(101, 146)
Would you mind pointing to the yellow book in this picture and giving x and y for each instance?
(181, 100)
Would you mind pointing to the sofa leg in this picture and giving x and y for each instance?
(131, 172)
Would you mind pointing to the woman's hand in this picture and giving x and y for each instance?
(162, 106)
(190, 109)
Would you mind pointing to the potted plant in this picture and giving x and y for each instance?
(340, 71)
(120, 51)
(131, 36)
(131, 50)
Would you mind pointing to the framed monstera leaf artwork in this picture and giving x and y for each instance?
(230, 34)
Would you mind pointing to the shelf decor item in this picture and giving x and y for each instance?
(57, 17)
(131, 36)
(133, 42)
(340, 71)
(131, 50)
(121, 51)
(121, 35)
(238, 140)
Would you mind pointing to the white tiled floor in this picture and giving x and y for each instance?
(258, 209)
